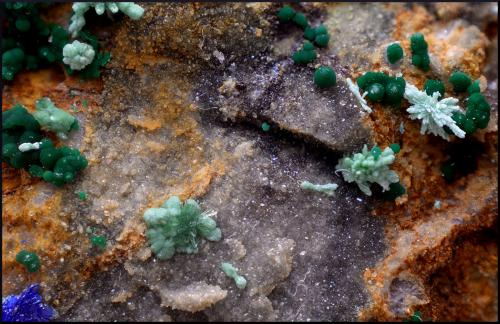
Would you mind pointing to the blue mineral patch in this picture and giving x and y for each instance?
(26, 307)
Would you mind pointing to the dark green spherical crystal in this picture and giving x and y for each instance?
(321, 29)
(418, 43)
(308, 46)
(301, 20)
(474, 88)
(286, 13)
(325, 77)
(322, 40)
(477, 101)
(460, 81)
(420, 56)
(372, 77)
(310, 33)
(448, 171)
(376, 92)
(305, 55)
(23, 24)
(393, 93)
(394, 53)
(459, 119)
(432, 86)
(469, 126)
(376, 152)
(395, 190)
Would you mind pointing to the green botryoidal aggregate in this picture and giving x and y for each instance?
(477, 115)
(432, 86)
(288, 14)
(420, 56)
(474, 88)
(318, 35)
(324, 77)
(54, 165)
(19, 126)
(28, 42)
(382, 88)
(25, 43)
(394, 53)
(305, 55)
(460, 81)
(58, 165)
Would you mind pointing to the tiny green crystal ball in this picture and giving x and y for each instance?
(286, 13)
(432, 86)
(376, 92)
(394, 53)
(460, 81)
(29, 259)
(301, 20)
(325, 77)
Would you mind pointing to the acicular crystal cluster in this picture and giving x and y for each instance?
(434, 114)
(369, 167)
(177, 227)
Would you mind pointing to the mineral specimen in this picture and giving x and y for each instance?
(58, 165)
(324, 77)
(29, 259)
(382, 88)
(176, 227)
(460, 81)
(54, 119)
(432, 86)
(433, 113)
(131, 9)
(368, 167)
(327, 189)
(394, 53)
(420, 56)
(78, 55)
(26, 307)
(232, 272)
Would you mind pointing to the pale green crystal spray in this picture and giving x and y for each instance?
(434, 113)
(176, 227)
(367, 167)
